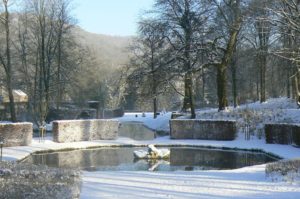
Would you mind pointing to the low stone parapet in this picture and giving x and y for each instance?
(16, 134)
(282, 134)
(202, 129)
(84, 130)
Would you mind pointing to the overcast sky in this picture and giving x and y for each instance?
(113, 17)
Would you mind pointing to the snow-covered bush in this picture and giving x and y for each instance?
(32, 182)
(286, 170)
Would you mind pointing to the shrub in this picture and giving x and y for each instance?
(31, 182)
(287, 170)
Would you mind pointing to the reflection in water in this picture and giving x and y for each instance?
(181, 158)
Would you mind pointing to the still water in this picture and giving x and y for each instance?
(122, 159)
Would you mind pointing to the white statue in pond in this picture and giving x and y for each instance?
(152, 153)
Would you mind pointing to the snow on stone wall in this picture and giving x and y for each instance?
(203, 129)
(84, 130)
(16, 134)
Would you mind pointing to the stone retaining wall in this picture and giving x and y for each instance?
(202, 129)
(16, 134)
(84, 130)
(282, 134)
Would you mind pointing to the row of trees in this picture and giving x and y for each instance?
(196, 51)
(194, 41)
(40, 54)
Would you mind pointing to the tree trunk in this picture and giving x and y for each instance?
(203, 86)
(222, 90)
(154, 107)
(257, 80)
(297, 91)
(192, 101)
(186, 102)
(234, 87)
(288, 91)
(263, 62)
(11, 101)
(234, 79)
(8, 66)
(188, 95)
(59, 92)
(154, 94)
(227, 57)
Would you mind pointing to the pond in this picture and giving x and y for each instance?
(122, 159)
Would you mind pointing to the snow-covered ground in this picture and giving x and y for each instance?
(161, 123)
(248, 182)
(242, 183)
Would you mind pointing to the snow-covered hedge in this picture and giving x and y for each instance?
(282, 134)
(84, 130)
(202, 129)
(16, 134)
(32, 182)
(286, 170)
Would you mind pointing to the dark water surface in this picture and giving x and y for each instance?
(122, 159)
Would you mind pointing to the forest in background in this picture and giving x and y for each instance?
(188, 54)
(217, 52)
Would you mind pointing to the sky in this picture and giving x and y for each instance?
(111, 17)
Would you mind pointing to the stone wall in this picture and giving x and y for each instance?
(84, 130)
(282, 134)
(202, 129)
(16, 134)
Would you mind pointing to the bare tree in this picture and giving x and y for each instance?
(263, 29)
(287, 12)
(151, 59)
(64, 23)
(44, 44)
(186, 22)
(5, 59)
(229, 13)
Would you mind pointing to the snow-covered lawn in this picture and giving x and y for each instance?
(242, 183)
(161, 123)
(248, 182)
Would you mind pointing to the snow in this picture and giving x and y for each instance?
(244, 183)
(161, 123)
(249, 182)
(152, 153)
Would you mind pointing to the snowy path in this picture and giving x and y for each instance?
(241, 183)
